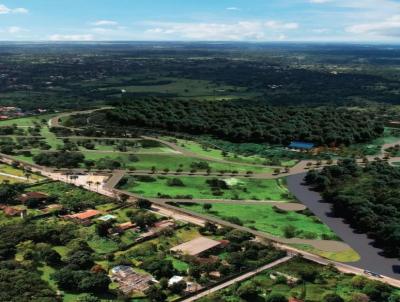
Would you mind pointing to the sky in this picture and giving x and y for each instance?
(201, 20)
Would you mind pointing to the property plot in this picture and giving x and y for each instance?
(266, 219)
(207, 188)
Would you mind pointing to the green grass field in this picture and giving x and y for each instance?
(27, 121)
(240, 188)
(171, 162)
(349, 255)
(264, 218)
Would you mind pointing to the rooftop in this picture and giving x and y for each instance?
(107, 217)
(196, 246)
(301, 145)
(32, 195)
(84, 215)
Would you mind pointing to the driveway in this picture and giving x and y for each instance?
(371, 258)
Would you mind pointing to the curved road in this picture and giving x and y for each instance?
(371, 258)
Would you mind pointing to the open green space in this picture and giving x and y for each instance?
(213, 152)
(349, 255)
(266, 219)
(27, 121)
(183, 88)
(197, 187)
(18, 173)
(310, 282)
(171, 162)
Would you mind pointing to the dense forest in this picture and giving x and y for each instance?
(66, 76)
(250, 121)
(368, 197)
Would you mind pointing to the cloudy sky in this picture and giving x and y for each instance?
(201, 20)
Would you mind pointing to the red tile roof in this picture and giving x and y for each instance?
(84, 215)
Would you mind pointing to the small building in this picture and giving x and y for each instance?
(192, 287)
(174, 280)
(39, 196)
(196, 247)
(13, 212)
(126, 226)
(301, 145)
(130, 281)
(83, 217)
(393, 124)
(107, 217)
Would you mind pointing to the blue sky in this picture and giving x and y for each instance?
(200, 20)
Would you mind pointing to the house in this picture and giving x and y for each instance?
(130, 281)
(160, 225)
(174, 280)
(197, 246)
(154, 231)
(12, 212)
(191, 287)
(126, 226)
(301, 146)
(39, 196)
(394, 124)
(83, 217)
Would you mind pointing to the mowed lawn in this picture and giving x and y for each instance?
(26, 121)
(171, 162)
(198, 148)
(264, 218)
(197, 187)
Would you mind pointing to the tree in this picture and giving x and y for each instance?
(156, 294)
(81, 260)
(359, 297)
(276, 298)
(143, 203)
(207, 207)
(123, 198)
(103, 227)
(248, 292)
(289, 231)
(332, 298)
(178, 287)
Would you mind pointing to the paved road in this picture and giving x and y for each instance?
(371, 258)
(238, 279)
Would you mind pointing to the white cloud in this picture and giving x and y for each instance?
(15, 30)
(389, 27)
(84, 37)
(320, 1)
(233, 8)
(281, 25)
(4, 10)
(238, 31)
(105, 23)
(320, 30)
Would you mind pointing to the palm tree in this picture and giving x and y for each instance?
(98, 183)
(27, 175)
(89, 183)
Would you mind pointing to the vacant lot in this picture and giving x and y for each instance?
(197, 187)
(266, 219)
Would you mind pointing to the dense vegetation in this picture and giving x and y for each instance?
(306, 281)
(81, 75)
(367, 197)
(251, 122)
